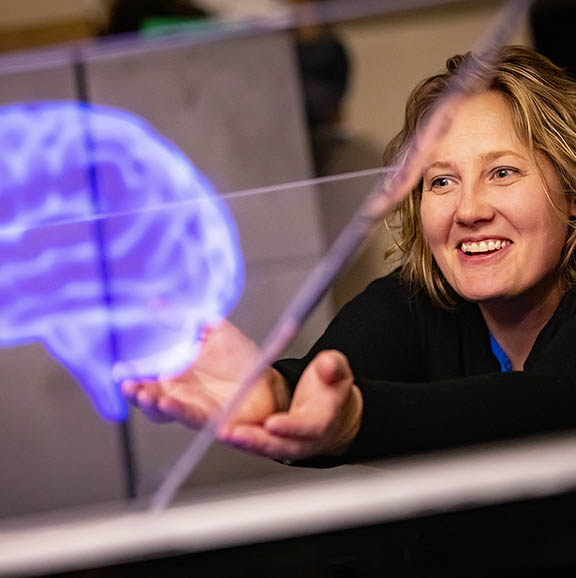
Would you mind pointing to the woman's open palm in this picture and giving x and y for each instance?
(196, 394)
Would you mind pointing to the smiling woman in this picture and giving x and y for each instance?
(496, 219)
(422, 358)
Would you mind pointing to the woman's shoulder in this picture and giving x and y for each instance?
(393, 291)
(378, 331)
(388, 305)
(554, 347)
(392, 285)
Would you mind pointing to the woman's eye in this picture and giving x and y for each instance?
(440, 183)
(504, 172)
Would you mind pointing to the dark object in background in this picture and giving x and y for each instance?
(324, 73)
(553, 24)
(130, 15)
(324, 65)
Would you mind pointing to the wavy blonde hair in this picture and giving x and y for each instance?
(542, 101)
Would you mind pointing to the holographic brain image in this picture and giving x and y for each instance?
(115, 250)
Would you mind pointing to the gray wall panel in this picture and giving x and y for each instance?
(56, 452)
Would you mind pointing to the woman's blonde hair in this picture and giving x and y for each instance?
(542, 100)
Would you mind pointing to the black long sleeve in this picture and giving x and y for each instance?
(429, 379)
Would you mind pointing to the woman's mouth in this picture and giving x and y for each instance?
(483, 247)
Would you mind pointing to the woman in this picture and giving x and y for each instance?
(472, 338)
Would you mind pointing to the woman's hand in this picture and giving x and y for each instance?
(195, 395)
(322, 419)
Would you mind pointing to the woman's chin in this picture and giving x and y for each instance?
(482, 295)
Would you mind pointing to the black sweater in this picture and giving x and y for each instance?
(429, 378)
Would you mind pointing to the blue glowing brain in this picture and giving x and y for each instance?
(115, 250)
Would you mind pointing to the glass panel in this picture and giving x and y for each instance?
(112, 248)
(90, 300)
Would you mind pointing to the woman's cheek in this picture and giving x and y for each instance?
(435, 222)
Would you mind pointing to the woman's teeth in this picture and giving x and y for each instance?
(483, 246)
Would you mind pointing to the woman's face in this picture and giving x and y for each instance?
(485, 212)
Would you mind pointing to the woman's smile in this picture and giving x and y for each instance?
(484, 246)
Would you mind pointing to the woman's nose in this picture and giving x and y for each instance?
(473, 208)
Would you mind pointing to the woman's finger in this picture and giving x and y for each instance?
(257, 440)
(319, 400)
(189, 414)
(155, 414)
(137, 391)
(145, 396)
(309, 427)
(130, 389)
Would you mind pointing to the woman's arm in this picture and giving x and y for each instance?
(316, 410)
(322, 417)
(400, 418)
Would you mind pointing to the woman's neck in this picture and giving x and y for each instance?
(515, 326)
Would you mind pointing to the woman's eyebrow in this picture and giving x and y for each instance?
(438, 165)
(485, 157)
(495, 155)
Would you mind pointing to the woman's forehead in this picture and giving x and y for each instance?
(481, 128)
